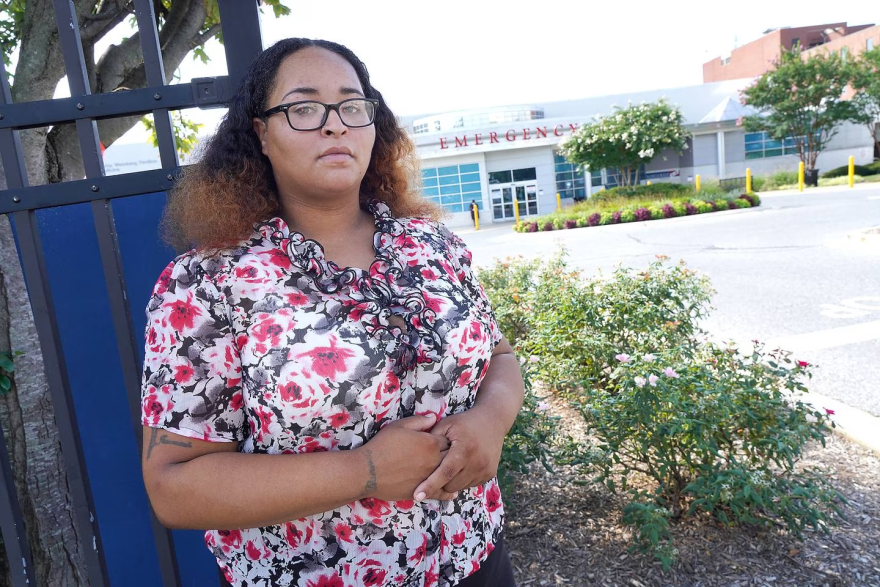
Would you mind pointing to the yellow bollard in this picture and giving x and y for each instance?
(852, 170)
(476, 218)
(516, 211)
(698, 182)
(649, 182)
(748, 180)
(801, 176)
(558, 202)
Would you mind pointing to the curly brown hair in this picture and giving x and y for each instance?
(231, 186)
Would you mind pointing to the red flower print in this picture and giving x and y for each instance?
(182, 314)
(237, 401)
(268, 331)
(803, 364)
(374, 576)
(230, 538)
(183, 373)
(339, 419)
(292, 534)
(377, 508)
(493, 498)
(152, 410)
(343, 531)
(296, 299)
(329, 361)
(429, 274)
(253, 552)
(279, 258)
(333, 580)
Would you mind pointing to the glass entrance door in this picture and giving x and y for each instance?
(503, 196)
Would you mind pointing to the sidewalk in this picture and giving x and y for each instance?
(875, 186)
(858, 426)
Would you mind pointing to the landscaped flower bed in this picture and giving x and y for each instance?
(619, 211)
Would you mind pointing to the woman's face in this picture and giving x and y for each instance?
(324, 164)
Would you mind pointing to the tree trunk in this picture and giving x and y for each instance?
(34, 447)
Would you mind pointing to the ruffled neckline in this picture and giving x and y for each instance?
(385, 288)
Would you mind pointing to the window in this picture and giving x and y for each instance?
(760, 145)
(500, 177)
(420, 128)
(570, 183)
(869, 44)
(453, 186)
(795, 42)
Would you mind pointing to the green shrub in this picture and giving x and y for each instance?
(874, 167)
(741, 203)
(627, 216)
(861, 170)
(758, 183)
(716, 431)
(679, 207)
(531, 438)
(606, 218)
(656, 213)
(713, 430)
(657, 190)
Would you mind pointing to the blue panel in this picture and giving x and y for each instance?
(471, 188)
(754, 137)
(448, 170)
(469, 177)
(451, 199)
(753, 147)
(450, 189)
(429, 182)
(144, 257)
(431, 191)
(456, 207)
(76, 279)
(469, 168)
(429, 172)
(449, 180)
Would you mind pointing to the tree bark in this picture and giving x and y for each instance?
(26, 413)
(28, 420)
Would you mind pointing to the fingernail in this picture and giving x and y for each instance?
(420, 496)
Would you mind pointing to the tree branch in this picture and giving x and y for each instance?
(206, 36)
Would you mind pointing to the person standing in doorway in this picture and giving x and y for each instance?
(474, 212)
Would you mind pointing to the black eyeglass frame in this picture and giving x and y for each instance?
(327, 108)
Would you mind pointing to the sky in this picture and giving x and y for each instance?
(437, 57)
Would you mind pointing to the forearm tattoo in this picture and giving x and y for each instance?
(156, 440)
(372, 483)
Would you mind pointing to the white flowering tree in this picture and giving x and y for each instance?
(627, 139)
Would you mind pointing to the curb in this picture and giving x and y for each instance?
(856, 425)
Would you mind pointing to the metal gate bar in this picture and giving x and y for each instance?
(108, 245)
(242, 45)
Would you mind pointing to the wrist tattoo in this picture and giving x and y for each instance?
(372, 483)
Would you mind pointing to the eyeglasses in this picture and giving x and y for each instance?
(312, 115)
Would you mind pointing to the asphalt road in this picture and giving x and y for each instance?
(785, 273)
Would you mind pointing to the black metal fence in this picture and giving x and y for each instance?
(242, 42)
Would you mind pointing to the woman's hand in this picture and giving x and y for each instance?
(402, 455)
(475, 443)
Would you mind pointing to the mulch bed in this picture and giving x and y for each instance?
(564, 530)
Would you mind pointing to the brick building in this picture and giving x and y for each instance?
(755, 58)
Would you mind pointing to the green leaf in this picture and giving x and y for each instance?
(6, 363)
(5, 383)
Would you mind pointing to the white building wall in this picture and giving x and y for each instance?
(541, 158)
(463, 219)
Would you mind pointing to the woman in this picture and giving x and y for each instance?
(335, 410)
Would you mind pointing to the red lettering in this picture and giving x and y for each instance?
(443, 144)
(574, 127)
(558, 130)
(508, 133)
(539, 132)
(526, 134)
(460, 143)
(478, 139)
(493, 138)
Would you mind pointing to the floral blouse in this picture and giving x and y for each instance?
(271, 345)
